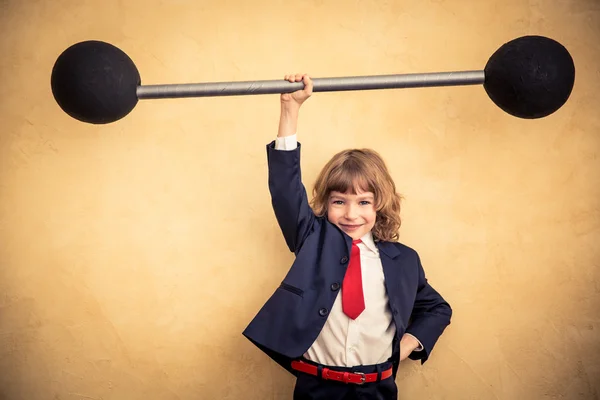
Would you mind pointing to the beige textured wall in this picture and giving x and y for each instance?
(132, 255)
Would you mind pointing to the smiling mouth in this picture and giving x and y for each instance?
(350, 227)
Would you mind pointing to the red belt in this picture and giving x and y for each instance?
(347, 377)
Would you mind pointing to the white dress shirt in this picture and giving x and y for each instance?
(367, 340)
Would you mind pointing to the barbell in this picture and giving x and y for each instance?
(528, 77)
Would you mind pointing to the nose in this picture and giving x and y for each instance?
(351, 212)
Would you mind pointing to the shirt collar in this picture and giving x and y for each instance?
(368, 241)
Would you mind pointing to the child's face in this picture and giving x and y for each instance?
(354, 214)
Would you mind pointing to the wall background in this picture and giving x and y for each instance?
(133, 255)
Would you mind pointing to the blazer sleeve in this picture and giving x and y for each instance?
(288, 196)
(430, 316)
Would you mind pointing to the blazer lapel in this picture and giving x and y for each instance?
(395, 273)
(388, 248)
(391, 261)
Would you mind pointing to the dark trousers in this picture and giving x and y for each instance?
(309, 387)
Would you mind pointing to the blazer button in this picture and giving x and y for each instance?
(344, 260)
(323, 312)
(335, 286)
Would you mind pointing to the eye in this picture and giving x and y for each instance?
(365, 202)
(338, 202)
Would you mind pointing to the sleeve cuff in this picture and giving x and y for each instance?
(420, 348)
(286, 142)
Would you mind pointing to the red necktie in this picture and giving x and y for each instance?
(353, 301)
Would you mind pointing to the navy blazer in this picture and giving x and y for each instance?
(292, 318)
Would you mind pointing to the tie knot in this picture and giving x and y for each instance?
(357, 241)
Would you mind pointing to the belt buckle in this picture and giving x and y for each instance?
(363, 378)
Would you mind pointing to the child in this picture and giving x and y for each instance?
(355, 302)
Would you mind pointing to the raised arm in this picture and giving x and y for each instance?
(288, 194)
(291, 103)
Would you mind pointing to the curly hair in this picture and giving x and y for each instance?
(365, 170)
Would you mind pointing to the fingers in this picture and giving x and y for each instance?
(304, 93)
(296, 77)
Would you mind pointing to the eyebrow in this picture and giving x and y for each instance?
(361, 197)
